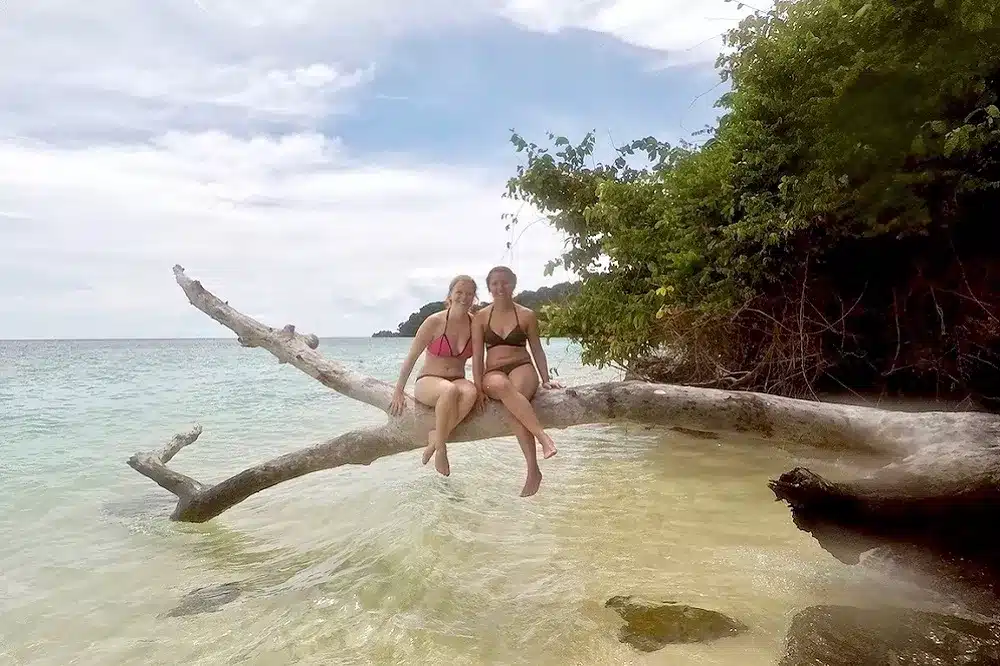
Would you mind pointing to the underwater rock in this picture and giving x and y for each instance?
(206, 599)
(831, 635)
(651, 625)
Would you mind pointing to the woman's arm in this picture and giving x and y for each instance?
(537, 352)
(478, 351)
(420, 341)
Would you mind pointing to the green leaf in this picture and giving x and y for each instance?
(951, 142)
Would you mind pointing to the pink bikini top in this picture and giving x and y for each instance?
(437, 345)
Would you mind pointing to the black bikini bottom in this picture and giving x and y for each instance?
(509, 367)
(428, 374)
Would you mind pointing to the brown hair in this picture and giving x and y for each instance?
(454, 281)
(501, 269)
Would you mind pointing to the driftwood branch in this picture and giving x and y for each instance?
(154, 465)
(197, 503)
(934, 455)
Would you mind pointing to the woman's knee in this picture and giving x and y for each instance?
(525, 383)
(466, 392)
(496, 384)
(449, 394)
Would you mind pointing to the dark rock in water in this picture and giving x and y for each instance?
(651, 625)
(846, 636)
(206, 599)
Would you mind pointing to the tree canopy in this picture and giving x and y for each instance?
(834, 230)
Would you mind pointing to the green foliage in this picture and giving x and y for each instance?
(851, 126)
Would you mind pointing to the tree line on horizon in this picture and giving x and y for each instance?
(538, 300)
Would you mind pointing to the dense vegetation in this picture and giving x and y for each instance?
(836, 229)
(536, 300)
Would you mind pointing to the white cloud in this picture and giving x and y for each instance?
(289, 229)
(136, 135)
(76, 69)
(308, 91)
(687, 32)
(73, 69)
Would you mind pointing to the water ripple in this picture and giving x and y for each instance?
(384, 564)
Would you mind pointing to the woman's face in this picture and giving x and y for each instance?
(501, 284)
(463, 294)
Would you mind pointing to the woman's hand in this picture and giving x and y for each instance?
(398, 403)
(552, 384)
(481, 399)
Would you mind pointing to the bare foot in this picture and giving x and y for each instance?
(548, 446)
(441, 460)
(429, 449)
(531, 483)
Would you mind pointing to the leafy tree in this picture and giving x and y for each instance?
(834, 230)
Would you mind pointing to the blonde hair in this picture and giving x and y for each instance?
(454, 281)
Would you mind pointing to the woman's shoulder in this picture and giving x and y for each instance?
(433, 319)
(523, 311)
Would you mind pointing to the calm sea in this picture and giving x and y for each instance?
(386, 564)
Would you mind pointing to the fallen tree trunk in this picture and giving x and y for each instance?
(941, 508)
(946, 451)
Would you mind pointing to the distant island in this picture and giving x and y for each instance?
(529, 299)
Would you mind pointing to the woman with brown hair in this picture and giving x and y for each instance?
(503, 369)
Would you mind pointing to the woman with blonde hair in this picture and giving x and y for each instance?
(447, 338)
(503, 369)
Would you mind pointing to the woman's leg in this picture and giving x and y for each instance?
(527, 443)
(441, 394)
(466, 401)
(525, 380)
(516, 398)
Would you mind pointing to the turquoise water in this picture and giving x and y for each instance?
(385, 564)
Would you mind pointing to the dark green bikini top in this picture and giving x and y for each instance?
(516, 338)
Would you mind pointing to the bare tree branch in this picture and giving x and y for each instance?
(154, 465)
(934, 453)
(287, 345)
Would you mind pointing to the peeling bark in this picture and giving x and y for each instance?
(934, 452)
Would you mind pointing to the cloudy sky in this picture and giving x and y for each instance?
(330, 163)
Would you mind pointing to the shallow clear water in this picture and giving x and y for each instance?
(386, 564)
